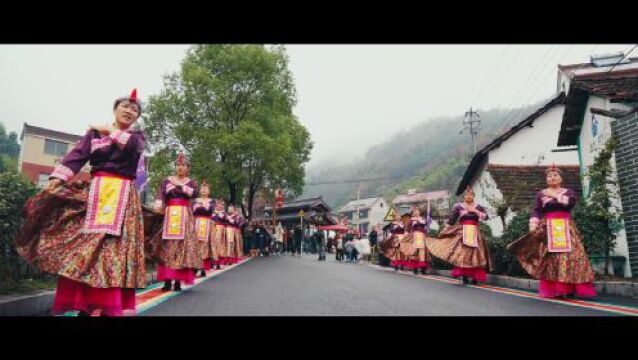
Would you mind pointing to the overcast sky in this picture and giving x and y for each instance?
(349, 96)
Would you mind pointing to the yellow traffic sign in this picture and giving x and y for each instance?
(301, 213)
(392, 212)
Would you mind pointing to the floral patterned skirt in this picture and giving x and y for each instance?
(449, 247)
(565, 267)
(52, 239)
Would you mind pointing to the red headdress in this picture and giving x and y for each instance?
(553, 167)
(181, 159)
(130, 98)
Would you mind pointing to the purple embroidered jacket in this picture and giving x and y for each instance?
(397, 228)
(220, 217)
(459, 213)
(202, 208)
(545, 204)
(118, 153)
(168, 190)
(236, 220)
(417, 224)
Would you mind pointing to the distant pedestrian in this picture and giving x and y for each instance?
(339, 253)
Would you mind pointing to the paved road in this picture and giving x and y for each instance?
(302, 286)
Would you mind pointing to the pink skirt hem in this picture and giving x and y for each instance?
(185, 275)
(477, 273)
(71, 295)
(207, 264)
(416, 264)
(551, 289)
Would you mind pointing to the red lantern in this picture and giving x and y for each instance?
(280, 198)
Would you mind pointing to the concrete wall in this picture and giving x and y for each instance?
(534, 145)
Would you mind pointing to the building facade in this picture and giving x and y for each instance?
(40, 151)
(602, 103)
(509, 170)
(371, 213)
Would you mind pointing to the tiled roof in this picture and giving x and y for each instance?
(363, 204)
(420, 197)
(35, 130)
(614, 86)
(519, 184)
(301, 203)
(617, 87)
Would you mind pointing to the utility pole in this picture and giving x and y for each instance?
(358, 208)
(274, 207)
(472, 121)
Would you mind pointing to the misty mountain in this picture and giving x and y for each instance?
(431, 155)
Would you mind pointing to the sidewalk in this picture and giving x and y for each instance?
(628, 289)
(37, 303)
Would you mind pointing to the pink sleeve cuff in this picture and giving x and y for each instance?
(482, 215)
(534, 221)
(62, 172)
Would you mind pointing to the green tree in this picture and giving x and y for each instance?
(597, 219)
(8, 142)
(230, 109)
(15, 192)
(504, 261)
(9, 150)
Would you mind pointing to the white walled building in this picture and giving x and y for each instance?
(371, 213)
(601, 103)
(512, 166)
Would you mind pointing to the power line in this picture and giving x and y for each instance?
(482, 93)
(532, 94)
(502, 73)
(520, 93)
(623, 58)
(352, 181)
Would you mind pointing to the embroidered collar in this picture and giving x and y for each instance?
(464, 205)
(174, 180)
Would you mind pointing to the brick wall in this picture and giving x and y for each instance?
(34, 170)
(626, 132)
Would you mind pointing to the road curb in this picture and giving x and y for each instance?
(613, 288)
(35, 304)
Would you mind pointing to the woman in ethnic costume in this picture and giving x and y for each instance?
(233, 234)
(92, 235)
(203, 210)
(391, 246)
(552, 250)
(418, 256)
(179, 252)
(219, 218)
(462, 244)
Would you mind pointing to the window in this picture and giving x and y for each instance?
(55, 148)
(43, 179)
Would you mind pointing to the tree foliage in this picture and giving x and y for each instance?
(230, 109)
